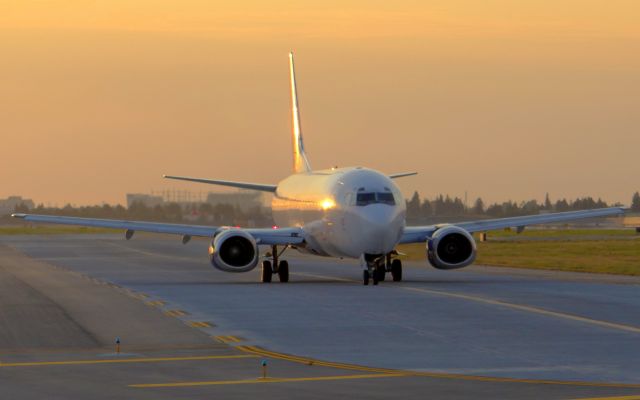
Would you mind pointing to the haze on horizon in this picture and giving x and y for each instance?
(503, 99)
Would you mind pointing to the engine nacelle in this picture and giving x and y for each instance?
(233, 250)
(451, 247)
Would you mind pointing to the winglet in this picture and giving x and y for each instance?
(300, 161)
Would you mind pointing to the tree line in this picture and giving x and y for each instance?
(446, 206)
(442, 206)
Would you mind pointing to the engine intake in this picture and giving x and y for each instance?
(233, 250)
(451, 247)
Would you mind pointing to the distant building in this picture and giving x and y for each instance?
(8, 205)
(146, 199)
(632, 221)
(183, 197)
(244, 199)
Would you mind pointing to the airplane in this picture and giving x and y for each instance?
(353, 212)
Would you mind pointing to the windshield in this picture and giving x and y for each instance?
(366, 198)
(386, 198)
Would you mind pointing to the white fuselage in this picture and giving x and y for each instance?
(345, 212)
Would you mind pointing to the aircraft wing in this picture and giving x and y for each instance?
(416, 234)
(279, 236)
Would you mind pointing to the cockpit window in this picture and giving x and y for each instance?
(364, 199)
(386, 198)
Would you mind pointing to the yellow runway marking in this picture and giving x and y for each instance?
(199, 324)
(176, 313)
(155, 303)
(228, 339)
(267, 380)
(124, 360)
(309, 361)
(636, 397)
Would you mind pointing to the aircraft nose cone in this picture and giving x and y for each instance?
(380, 228)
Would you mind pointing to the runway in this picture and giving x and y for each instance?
(486, 332)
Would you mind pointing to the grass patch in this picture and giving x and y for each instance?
(51, 230)
(603, 256)
(562, 233)
(613, 254)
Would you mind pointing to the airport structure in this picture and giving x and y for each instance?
(145, 199)
(8, 205)
(245, 200)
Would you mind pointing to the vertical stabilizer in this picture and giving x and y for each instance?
(300, 162)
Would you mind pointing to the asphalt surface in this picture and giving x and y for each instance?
(473, 333)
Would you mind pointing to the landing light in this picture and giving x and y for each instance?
(327, 204)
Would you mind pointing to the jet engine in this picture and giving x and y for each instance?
(234, 250)
(451, 247)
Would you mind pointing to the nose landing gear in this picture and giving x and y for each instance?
(396, 270)
(279, 267)
(366, 276)
(378, 266)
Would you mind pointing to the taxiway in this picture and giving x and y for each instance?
(479, 332)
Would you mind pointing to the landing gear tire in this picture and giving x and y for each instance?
(283, 271)
(365, 277)
(267, 271)
(380, 273)
(396, 270)
(375, 276)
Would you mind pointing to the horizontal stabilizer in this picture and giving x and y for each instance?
(239, 185)
(402, 174)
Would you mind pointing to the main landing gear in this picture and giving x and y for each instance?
(277, 267)
(378, 266)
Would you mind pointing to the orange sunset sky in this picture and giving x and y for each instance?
(503, 99)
